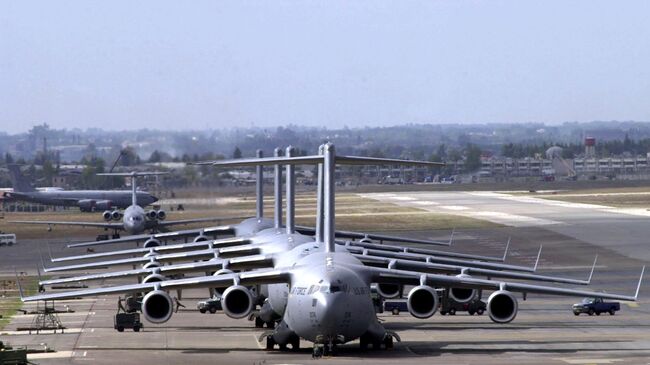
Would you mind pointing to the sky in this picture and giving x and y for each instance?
(212, 64)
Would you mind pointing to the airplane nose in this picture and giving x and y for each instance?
(154, 199)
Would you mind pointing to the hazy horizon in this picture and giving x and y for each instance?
(208, 65)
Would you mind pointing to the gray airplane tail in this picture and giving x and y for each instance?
(329, 160)
(18, 180)
(134, 175)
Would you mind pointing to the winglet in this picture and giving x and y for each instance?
(42, 261)
(505, 253)
(20, 287)
(638, 287)
(539, 254)
(593, 267)
(451, 237)
(49, 251)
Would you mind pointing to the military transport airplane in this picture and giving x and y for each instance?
(86, 200)
(321, 289)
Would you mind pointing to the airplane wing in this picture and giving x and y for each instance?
(244, 263)
(381, 275)
(224, 242)
(196, 220)
(177, 256)
(373, 236)
(426, 267)
(209, 231)
(257, 277)
(440, 260)
(108, 225)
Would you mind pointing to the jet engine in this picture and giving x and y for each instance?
(237, 301)
(161, 215)
(151, 242)
(157, 306)
(220, 291)
(153, 278)
(107, 215)
(86, 205)
(502, 306)
(103, 204)
(462, 295)
(152, 214)
(389, 291)
(116, 215)
(422, 301)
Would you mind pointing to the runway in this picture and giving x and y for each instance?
(623, 230)
(544, 332)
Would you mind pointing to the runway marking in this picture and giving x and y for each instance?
(426, 202)
(50, 355)
(454, 207)
(589, 361)
(404, 198)
(513, 219)
(43, 332)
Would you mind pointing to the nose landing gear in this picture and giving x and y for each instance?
(324, 349)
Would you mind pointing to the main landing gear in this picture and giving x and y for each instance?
(294, 342)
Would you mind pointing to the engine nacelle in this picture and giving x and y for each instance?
(107, 215)
(502, 306)
(151, 265)
(151, 242)
(152, 214)
(201, 238)
(161, 215)
(220, 291)
(86, 205)
(116, 215)
(157, 306)
(237, 301)
(423, 301)
(462, 295)
(103, 204)
(389, 291)
(153, 278)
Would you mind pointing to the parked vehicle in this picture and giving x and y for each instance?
(596, 306)
(8, 239)
(211, 305)
(395, 306)
(127, 320)
(449, 306)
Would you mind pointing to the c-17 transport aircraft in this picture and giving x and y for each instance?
(134, 219)
(324, 288)
(86, 200)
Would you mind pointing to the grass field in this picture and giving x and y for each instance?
(353, 212)
(10, 296)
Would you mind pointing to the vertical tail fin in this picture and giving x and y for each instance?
(259, 189)
(291, 193)
(19, 182)
(278, 190)
(134, 190)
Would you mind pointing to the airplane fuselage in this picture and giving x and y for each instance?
(87, 200)
(135, 220)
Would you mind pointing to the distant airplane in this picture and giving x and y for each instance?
(135, 219)
(86, 200)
